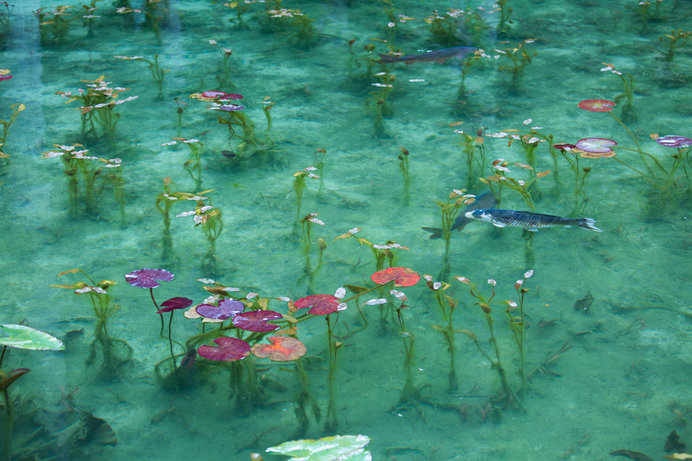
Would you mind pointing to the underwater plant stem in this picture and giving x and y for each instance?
(6, 448)
(170, 340)
(151, 293)
(631, 167)
(332, 423)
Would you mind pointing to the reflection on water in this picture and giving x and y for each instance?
(263, 152)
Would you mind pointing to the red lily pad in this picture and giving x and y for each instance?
(319, 304)
(564, 146)
(229, 350)
(597, 105)
(147, 278)
(256, 321)
(281, 349)
(174, 304)
(227, 308)
(596, 145)
(402, 276)
(674, 141)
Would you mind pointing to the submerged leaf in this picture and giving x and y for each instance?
(336, 447)
(23, 337)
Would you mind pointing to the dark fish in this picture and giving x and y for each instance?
(528, 220)
(485, 200)
(584, 304)
(437, 55)
(636, 455)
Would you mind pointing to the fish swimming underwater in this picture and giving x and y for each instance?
(528, 220)
(437, 55)
(485, 200)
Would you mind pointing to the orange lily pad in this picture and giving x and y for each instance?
(281, 349)
(402, 276)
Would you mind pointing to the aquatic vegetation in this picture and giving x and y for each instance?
(6, 124)
(299, 185)
(5, 15)
(519, 56)
(571, 154)
(443, 27)
(112, 354)
(171, 305)
(625, 99)
(98, 103)
(473, 148)
(507, 395)
(405, 173)
(341, 447)
(447, 306)
(54, 23)
(677, 38)
(448, 213)
(380, 252)
(517, 323)
(378, 102)
(180, 110)
(502, 178)
(306, 242)
(646, 14)
(226, 53)
(207, 218)
(157, 72)
(149, 278)
(503, 23)
(289, 21)
(193, 165)
(92, 170)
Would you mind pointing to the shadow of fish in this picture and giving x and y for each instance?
(584, 304)
(437, 55)
(485, 200)
(529, 220)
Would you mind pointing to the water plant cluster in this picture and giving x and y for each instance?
(307, 297)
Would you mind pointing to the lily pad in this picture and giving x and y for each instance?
(24, 337)
(319, 304)
(227, 308)
(402, 276)
(674, 141)
(281, 349)
(341, 447)
(229, 350)
(256, 321)
(147, 278)
(596, 145)
(174, 304)
(597, 105)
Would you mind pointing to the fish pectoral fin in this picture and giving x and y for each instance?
(498, 224)
(532, 229)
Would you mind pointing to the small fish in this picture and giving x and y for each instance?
(528, 220)
(584, 304)
(437, 55)
(485, 200)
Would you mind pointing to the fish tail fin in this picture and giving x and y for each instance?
(435, 232)
(385, 59)
(588, 223)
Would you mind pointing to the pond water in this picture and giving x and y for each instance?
(382, 147)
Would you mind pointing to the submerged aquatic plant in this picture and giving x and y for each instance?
(677, 38)
(447, 306)
(6, 124)
(54, 24)
(474, 151)
(207, 218)
(448, 213)
(157, 72)
(381, 252)
(571, 155)
(625, 99)
(519, 56)
(171, 305)
(405, 173)
(306, 224)
(517, 324)
(225, 78)
(91, 172)
(149, 278)
(97, 112)
(114, 353)
(293, 21)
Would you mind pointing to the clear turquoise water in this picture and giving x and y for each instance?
(624, 384)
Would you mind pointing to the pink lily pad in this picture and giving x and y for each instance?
(227, 308)
(229, 350)
(674, 141)
(256, 321)
(147, 278)
(281, 349)
(174, 304)
(597, 105)
(596, 145)
(402, 276)
(319, 304)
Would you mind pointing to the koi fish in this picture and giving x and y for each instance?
(485, 200)
(437, 55)
(528, 220)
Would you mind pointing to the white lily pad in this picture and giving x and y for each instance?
(24, 337)
(341, 447)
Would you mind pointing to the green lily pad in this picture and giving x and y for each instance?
(23, 337)
(341, 447)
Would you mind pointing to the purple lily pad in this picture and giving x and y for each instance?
(319, 304)
(174, 304)
(256, 321)
(596, 145)
(672, 140)
(230, 107)
(229, 350)
(147, 278)
(227, 308)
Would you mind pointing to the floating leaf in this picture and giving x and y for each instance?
(174, 304)
(147, 278)
(256, 321)
(402, 276)
(23, 337)
(319, 304)
(596, 145)
(597, 105)
(227, 308)
(336, 447)
(229, 350)
(281, 349)
(674, 141)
